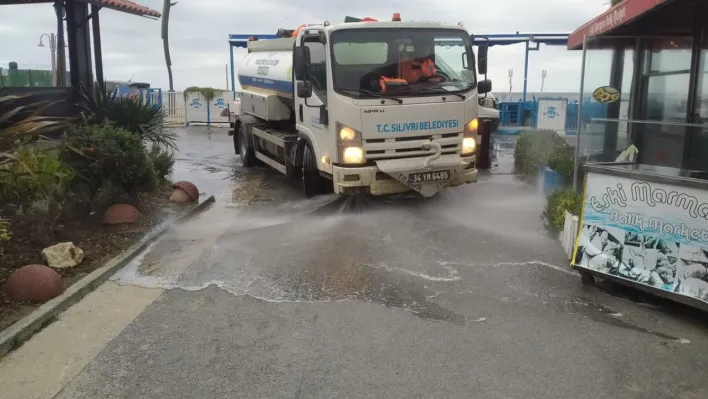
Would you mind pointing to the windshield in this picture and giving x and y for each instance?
(401, 62)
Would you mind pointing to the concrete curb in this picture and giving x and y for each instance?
(35, 321)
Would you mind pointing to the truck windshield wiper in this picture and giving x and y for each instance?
(371, 93)
(441, 91)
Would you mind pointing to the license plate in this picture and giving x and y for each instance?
(424, 177)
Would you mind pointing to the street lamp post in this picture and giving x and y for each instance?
(53, 51)
(57, 57)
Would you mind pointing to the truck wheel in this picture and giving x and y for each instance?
(248, 156)
(311, 179)
(234, 135)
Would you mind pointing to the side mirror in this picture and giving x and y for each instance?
(301, 62)
(482, 59)
(484, 86)
(304, 89)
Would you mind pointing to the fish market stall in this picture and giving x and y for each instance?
(647, 226)
(643, 170)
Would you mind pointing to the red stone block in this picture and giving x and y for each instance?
(37, 283)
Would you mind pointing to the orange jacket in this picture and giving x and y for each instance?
(412, 70)
(409, 72)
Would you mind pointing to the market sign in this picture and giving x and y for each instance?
(650, 233)
(606, 94)
(610, 19)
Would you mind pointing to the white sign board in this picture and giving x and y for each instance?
(195, 108)
(650, 233)
(198, 110)
(552, 114)
(217, 106)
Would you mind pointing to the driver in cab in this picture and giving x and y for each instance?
(421, 64)
(415, 64)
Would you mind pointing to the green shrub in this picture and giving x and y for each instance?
(22, 123)
(562, 160)
(35, 174)
(5, 233)
(109, 153)
(557, 203)
(130, 113)
(162, 160)
(533, 150)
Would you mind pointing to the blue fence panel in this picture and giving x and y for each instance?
(509, 114)
(530, 115)
(518, 113)
(151, 96)
(526, 114)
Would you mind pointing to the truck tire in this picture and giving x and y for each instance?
(234, 136)
(248, 156)
(311, 180)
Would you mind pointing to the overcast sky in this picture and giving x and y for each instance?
(199, 30)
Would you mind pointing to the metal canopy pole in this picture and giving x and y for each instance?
(98, 54)
(60, 44)
(526, 76)
(526, 70)
(71, 33)
(580, 117)
(526, 62)
(609, 146)
(79, 45)
(233, 80)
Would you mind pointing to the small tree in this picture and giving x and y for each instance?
(208, 93)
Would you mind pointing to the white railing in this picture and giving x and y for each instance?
(174, 106)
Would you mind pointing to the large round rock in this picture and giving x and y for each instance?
(188, 188)
(179, 195)
(121, 213)
(37, 283)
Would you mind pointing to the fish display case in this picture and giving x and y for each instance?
(644, 217)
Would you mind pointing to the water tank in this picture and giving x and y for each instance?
(267, 72)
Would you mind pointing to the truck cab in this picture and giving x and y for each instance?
(364, 116)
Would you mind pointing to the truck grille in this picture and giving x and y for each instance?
(408, 147)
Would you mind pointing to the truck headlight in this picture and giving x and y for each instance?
(353, 155)
(469, 145)
(471, 127)
(349, 145)
(347, 134)
(469, 142)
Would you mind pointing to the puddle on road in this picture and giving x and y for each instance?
(267, 242)
(321, 249)
(395, 252)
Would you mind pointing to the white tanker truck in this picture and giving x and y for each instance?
(348, 108)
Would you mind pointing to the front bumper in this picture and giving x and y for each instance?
(391, 176)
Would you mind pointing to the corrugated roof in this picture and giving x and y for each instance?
(126, 6)
(616, 16)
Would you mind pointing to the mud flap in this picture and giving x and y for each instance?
(401, 169)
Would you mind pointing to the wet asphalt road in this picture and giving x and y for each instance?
(274, 296)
